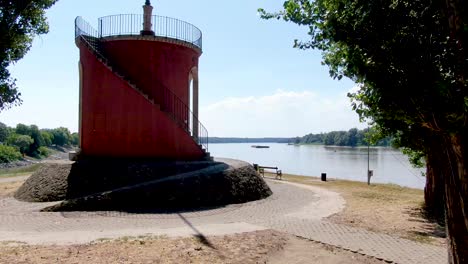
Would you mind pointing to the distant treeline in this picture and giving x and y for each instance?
(16, 142)
(353, 137)
(248, 140)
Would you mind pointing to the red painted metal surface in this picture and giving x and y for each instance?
(151, 63)
(117, 121)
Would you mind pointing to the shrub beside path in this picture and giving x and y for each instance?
(293, 208)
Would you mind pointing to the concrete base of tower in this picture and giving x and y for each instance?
(102, 185)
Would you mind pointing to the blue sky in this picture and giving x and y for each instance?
(252, 82)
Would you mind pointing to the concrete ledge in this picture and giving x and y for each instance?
(216, 185)
(199, 184)
(73, 156)
(58, 180)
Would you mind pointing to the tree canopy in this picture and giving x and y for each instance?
(32, 141)
(4, 132)
(20, 21)
(33, 132)
(351, 138)
(61, 136)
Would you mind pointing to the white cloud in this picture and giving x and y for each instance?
(284, 114)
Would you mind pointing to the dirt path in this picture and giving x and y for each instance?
(14, 179)
(254, 247)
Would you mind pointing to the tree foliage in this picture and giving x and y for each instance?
(32, 141)
(21, 142)
(399, 51)
(351, 138)
(35, 134)
(8, 154)
(20, 21)
(75, 139)
(4, 132)
(48, 137)
(61, 136)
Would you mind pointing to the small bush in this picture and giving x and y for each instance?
(43, 152)
(9, 154)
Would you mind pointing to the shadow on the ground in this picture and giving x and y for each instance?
(128, 212)
(432, 226)
(199, 236)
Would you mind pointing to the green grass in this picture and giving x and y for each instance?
(21, 171)
(316, 180)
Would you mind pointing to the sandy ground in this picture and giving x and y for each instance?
(302, 251)
(382, 208)
(255, 247)
(9, 186)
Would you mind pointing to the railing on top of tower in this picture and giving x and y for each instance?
(168, 100)
(165, 27)
(89, 35)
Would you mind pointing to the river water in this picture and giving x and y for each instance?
(389, 165)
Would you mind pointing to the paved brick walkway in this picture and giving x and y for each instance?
(381, 246)
(292, 209)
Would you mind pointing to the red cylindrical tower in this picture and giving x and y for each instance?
(139, 87)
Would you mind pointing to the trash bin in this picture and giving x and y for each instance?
(324, 177)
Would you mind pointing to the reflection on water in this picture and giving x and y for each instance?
(389, 165)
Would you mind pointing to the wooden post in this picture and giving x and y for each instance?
(370, 173)
(368, 161)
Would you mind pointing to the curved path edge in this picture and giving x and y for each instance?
(84, 236)
(328, 203)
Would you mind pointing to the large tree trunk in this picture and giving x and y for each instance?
(456, 183)
(456, 197)
(434, 191)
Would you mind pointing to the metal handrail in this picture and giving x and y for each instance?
(88, 34)
(167, 99)
(166, 27)
(182, 114)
